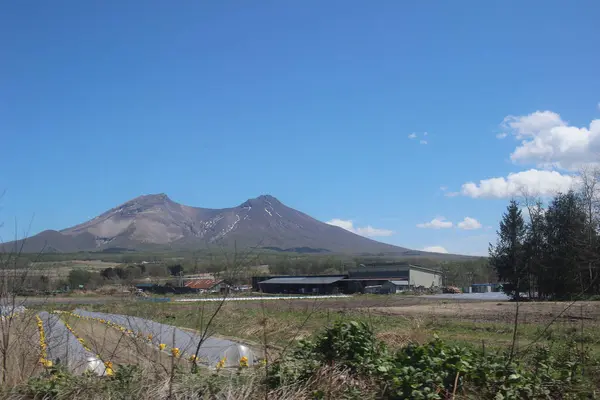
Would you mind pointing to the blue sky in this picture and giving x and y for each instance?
(313, 102)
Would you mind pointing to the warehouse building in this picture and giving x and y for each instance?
(327, 284)
(415, 275)
(373, 278)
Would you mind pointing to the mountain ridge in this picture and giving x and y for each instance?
(156, 221)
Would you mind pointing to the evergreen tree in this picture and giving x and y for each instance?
(535, 247)
(566, 234)
(508, 257)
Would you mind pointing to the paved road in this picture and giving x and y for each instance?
(40, 301)
(492, 296)
(261, 298)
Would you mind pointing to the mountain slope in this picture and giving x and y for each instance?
(155, 221)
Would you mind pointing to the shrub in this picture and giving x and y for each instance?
(434, 370)
(347, 345)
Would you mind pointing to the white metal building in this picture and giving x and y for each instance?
(404, 274)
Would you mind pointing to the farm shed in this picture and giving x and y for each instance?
(355, 281)
(416, 276)
(391, 287)
(302, 284)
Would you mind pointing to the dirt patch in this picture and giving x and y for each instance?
(499, 312)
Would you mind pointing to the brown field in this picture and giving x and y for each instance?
(19, 360)
(499, 311)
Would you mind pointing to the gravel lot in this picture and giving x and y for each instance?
(211, 351)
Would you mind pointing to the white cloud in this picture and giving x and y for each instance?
(532, 182)
(552, 145)
(436, 223)
(414, 135)
(549, 142)
(368, 230)
(469, 224)
(435, 249)
(443, 188)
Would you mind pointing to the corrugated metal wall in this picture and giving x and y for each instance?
(425, 279)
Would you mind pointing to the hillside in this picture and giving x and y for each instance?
(157, 222)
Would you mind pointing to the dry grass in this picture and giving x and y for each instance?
(23, 350)
(415, 331)
(331, 382)
(530, 312)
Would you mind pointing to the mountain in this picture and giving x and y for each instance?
(157, 222)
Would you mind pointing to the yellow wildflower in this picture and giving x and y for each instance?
(46, 363)
(108, 368)
(175, 351)
(192, 358)
(221, 363)
(244, 362)
(162, 346)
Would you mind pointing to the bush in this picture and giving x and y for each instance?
(431, 371)
(346, 345)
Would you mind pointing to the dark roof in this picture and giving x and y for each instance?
(265, 277)
(374, 278)
(314, 280)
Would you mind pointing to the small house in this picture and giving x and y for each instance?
(207, 285)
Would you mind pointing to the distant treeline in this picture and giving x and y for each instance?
(239, 268)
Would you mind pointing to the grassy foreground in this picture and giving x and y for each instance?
(399, 349)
